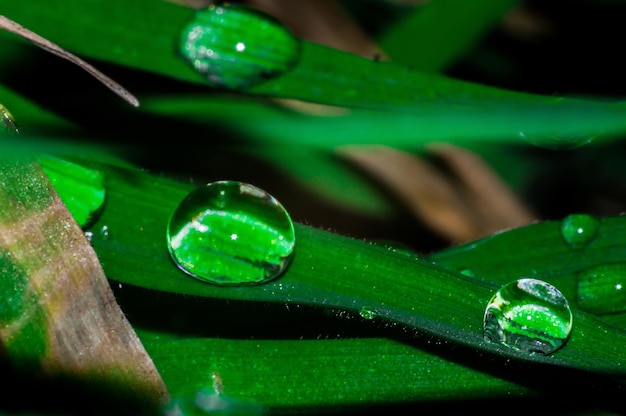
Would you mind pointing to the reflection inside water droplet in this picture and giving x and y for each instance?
(231, 233)
(529, 315)
(238, 47)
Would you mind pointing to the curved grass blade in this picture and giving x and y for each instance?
(540, 251)
(555, 127)
(537, 250)
(329, 271)
(16, 28)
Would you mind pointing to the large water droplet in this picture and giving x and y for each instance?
(578, 230)
(81, 189)
(231, 233)
(8, 126)
(602, 289)
(238, 47)
(529, 315)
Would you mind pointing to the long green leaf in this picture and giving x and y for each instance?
(143, 36)
(329, 271)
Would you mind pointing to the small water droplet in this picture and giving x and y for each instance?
(602, 289)
(578, 230)
(367, 312)
(467, 272)
(8, 126)
(529, 315)
(81, 189)
(231, 233)
(238, 47)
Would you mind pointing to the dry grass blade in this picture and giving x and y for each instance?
(62, 315)
(322, 21)
(429, 195)
(15, 28)
(467, 205)
(494, 204)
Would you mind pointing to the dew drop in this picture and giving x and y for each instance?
(81, 189)
(367, 312)
(8, 126)
(578, 230)
(467, 272)
(231, 233)
(238, 47)
(529, 315)
(104, 232)
(602, 289)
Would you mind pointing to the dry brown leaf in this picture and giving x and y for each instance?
(469, 204)
(523, 23)
(495, 205)
(427, 193)
(62, 298)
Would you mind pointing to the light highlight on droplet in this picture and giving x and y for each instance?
(231, 233)
(238, 47)
(8, 126)
(602, 289)
(529, 315)
(578, 230)
(367, 312)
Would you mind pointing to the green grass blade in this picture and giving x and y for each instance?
(549, 126)
(329, 271)
(539, 251)
(300, 374)
(143, 36)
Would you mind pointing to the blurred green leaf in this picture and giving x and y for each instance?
(437, 34)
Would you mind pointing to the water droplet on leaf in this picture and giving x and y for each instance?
(578, 230)
(231, 233)
(8, 126)
(367, 312)
(602, 289)
(238, 47)
(467, 272)
(81, 189)
(529, 315)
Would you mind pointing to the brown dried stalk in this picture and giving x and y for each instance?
(462, 205)
(64, 318)
(15, 28)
